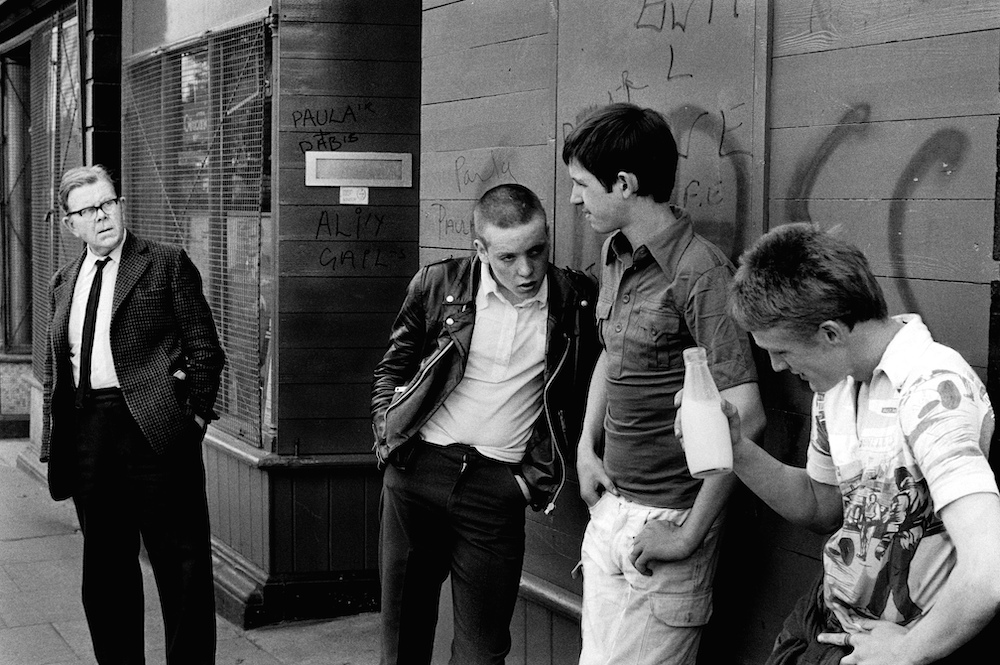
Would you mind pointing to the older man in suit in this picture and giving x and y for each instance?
(131, 375)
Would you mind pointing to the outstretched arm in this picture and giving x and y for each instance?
(788, 490)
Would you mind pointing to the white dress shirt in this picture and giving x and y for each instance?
(496, 403)
(102, 365)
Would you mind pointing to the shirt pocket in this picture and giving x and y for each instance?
(654, 337)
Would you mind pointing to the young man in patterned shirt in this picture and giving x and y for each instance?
(897, 466)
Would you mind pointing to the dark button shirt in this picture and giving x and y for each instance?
(655, 301)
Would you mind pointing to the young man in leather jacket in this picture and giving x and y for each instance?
(475, 406)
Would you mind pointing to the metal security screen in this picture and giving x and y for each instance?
(15, 203)
(56, 146)
(194, 148)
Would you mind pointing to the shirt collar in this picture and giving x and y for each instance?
(665, 247)
(115, 255)
(909, 342)
(488, 286)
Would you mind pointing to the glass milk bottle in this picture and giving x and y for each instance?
(707, 446)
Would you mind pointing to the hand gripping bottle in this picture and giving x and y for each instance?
(707, 446)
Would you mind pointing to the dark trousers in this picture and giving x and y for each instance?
(797, 645)
(451, 511)
(125, 490)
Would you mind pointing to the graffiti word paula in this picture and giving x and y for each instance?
(320, 117)
(450, 226)
(495, 168)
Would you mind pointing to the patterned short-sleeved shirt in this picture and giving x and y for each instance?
(655, 301)
(917, 440)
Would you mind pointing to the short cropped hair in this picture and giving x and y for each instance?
(796, 277)
(506, 206)
(624, 137)
(81, 176)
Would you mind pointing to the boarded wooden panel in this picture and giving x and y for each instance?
(342, 294)
(921, 159)
(518, 633)
(363, 115)
(449, 223)
(397, 12)
(294, 145)
(467, 25)
(957, 314)
(311, 515)
(339, 330)
(325, 436)
(936, 239)
(350, 78)
(349, 41)
(347, 259)
(525, 64)
(323, 365)
(515, 119)
(446, 224)
(468, 174)
(292, 189)
(348, 223)
(697, 66)
(566, 643)
(373, 490)
(349, 400)
(801, 27)
(282, 523)
(538, 637)
(346, 534)
(927, 78)
(430, 255)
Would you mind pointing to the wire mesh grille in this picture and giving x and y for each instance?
(15, 201)
(56, 145)
(192, 164)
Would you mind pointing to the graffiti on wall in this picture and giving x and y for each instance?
(940, 155)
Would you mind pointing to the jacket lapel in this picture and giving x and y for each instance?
(135, 261)
(62, 296)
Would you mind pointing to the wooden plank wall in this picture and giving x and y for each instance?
(348, 79)
(882, 122)
(487, 103)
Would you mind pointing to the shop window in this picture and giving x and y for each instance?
(195, 172)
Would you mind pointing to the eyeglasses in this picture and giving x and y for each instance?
(89, 213)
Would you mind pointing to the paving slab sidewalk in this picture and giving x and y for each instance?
(42, 620)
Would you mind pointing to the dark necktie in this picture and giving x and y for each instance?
(89, 322)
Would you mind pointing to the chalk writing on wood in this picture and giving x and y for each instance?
(336, 115)
(361, 223)
(449, 225)
(361, 259)
(683, 13)
(323, 140)
(497, 166)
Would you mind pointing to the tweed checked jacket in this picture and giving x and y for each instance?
(160, 323)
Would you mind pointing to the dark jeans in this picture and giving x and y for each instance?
(124, 489)
(452, 511)
(797, 645)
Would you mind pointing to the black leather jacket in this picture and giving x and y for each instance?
(429, 348)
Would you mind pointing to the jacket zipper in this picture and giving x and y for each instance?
(419, 378)
(552, 430)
